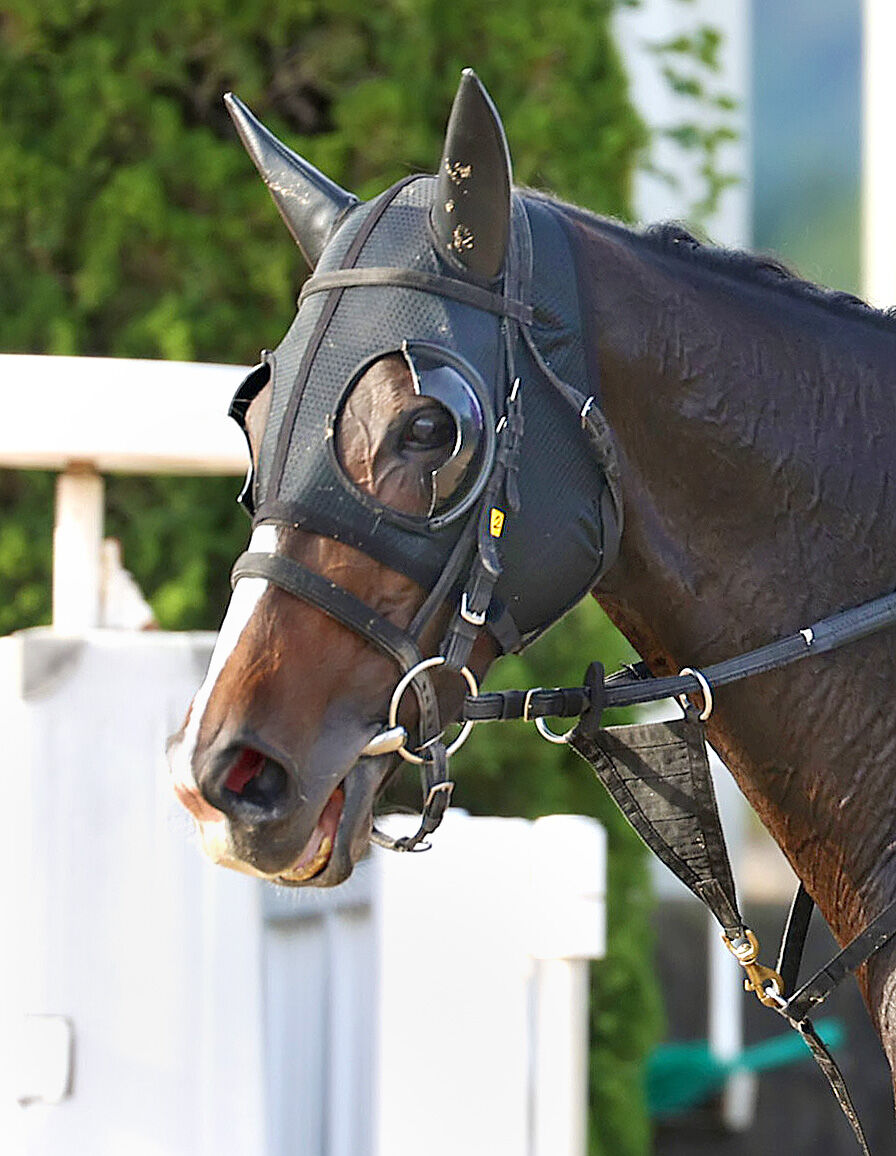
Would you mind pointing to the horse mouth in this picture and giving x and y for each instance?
(316, 855)
(339, 838)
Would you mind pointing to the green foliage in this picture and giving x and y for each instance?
(691, 65)
(133, 225)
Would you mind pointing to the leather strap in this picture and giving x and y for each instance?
(834, 1076)
(820, 986)
(794, 939)
(344, 607)
(332, 599)
(827, 634)
(543, 702)
(858, 951)
(452, 287)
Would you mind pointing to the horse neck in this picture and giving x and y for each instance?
(754, 432)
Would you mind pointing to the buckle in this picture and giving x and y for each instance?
(474, 617)
(437, 788)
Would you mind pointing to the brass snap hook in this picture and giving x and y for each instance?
(765, 982)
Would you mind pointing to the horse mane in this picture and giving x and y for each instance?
(672, 238)
(760, 269)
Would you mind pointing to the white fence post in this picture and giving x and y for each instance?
(878, 160)
(483, 949)
(569, 929)
(77, 547)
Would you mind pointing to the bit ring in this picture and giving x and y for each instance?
(402, 685)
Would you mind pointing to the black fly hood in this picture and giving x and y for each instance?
(474, 288)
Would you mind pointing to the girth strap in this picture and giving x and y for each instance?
(794, 938)
(857, 952)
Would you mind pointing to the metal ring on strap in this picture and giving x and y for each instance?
(705, 690)
(540, 725)
(546, 733)
(405, 681)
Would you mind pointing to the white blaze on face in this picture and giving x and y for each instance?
(245, 598)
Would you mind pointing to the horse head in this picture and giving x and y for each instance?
(405, 529)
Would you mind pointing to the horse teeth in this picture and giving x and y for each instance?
(319, 861)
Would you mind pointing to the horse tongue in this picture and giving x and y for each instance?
(319, 847)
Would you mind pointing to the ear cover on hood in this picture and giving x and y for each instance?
(471, 208)
(308, 202)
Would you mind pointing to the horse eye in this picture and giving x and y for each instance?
(429, 429)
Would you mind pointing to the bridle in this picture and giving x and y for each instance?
(474, 565)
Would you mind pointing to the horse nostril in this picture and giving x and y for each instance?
(268, 787)
(253, 778)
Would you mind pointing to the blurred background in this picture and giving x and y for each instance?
(132, 225)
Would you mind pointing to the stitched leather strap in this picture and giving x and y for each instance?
(858, 951)
(332, 599)
(794, 939)
(834, 1076)
(351, 612)
(827, 634)
(419, 279)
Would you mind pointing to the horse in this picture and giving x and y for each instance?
(491, 404)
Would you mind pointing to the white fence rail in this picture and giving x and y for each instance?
(152, 1003)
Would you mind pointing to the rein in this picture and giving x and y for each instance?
(634, 685)
(659, 772)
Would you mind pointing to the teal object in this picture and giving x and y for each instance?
(683, 1075)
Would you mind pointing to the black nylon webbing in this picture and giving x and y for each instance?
(295, 399)
(659, 776)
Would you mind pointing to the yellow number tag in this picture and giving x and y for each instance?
(496, 522)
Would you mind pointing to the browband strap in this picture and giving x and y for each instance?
(419, 279)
